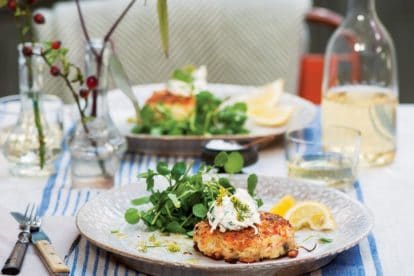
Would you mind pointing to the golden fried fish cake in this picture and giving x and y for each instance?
(181, 107)
(275, 238)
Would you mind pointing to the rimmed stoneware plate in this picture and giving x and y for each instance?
(121, 109)
(105, 213)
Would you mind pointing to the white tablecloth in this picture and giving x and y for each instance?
(387, 191)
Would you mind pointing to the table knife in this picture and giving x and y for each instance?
(48, 254)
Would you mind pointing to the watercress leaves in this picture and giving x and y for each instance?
(187, 198)
(234, 163)
(174, 200)
(162, 168)
(132, 216)
(231, 163)
(175, 227)
(220, 159)
(178, 170)
(200, 211)
(140, 200)
(251, 184)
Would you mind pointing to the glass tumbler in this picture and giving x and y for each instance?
(328, 156)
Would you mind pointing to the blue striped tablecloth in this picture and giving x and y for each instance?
(59, 199)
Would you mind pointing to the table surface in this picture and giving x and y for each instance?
(387, 191)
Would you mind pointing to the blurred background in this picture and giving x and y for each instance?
(396, 16)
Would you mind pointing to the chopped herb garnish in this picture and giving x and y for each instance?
(173, 247)
(325, 240)
(241, 208)
(321, 240)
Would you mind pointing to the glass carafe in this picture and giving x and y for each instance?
(360, 86)
(96, 146)
(34, 142)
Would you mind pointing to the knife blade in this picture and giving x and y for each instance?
(47, 252)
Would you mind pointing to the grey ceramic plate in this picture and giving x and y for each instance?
(100, 216)
(121, 109)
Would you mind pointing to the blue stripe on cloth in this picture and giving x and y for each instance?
(196, 165)
(116, 269)
(47, 191)
(140, 161)
(65, 206)
(95, 263)
(371, 240)
(65, 175)
(85, 261)
(348, 263)
(75, 208)
(75, 260)
(131, 165)
(106, 267)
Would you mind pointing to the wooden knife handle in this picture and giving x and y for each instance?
(14, 263)
(50, 258)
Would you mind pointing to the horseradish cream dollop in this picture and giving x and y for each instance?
(233, 212)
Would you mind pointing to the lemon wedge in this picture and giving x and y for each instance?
(312, 214)
(283, 205)
(268, 95)
(271, 116)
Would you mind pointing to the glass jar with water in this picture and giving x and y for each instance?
(360, 88)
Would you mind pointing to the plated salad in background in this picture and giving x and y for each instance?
(186, 107)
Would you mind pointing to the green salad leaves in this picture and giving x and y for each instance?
(187, 198)
(210, 116)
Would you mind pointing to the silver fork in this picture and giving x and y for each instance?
(14, 262)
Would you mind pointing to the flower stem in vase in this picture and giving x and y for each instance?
(36, 112)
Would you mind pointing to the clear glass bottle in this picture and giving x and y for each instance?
(96, 146)
(360, 85)
(27, 156)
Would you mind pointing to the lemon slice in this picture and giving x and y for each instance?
(283, 205)
(311, 214)
(271, 116)
(268, 95)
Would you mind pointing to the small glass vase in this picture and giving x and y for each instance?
(96, 146)
(360, 83)
(33, 143)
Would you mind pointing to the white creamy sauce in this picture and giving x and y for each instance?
(184, 89)
(223, 145)
(225, 216)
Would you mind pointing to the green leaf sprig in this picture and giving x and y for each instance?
(187, 198)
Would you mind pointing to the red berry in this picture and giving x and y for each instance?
(56, 44)
(55, 71)
(84, 93)
(27, 51)
(91, 82)
(39, 18)
(11, 4)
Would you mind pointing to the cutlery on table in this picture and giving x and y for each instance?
(14, 263)
(48, 254)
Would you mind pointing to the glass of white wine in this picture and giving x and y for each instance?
(329, 156)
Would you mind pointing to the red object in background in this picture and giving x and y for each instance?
(311, 74)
